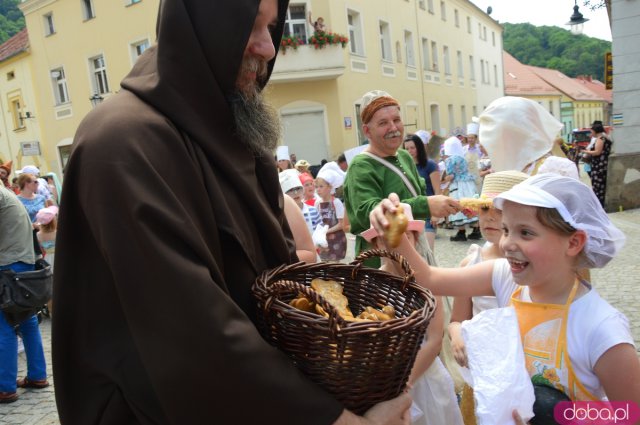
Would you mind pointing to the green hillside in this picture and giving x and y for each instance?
(556, 48)
(11, 19)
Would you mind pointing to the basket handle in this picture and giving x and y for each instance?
(281, 287)
(408, 271)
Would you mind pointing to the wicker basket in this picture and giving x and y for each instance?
(360, 363)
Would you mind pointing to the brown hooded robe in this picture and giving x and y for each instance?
(166, 222)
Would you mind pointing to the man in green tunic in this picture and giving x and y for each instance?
(382, 169)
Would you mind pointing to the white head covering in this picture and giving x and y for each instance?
(31, 169)
(578, 206)
(453, 146)
(282, 153)
(289, 179)
(332, 174)
(516, 131)
(423, 135)
(370, 96)
(558, 165)
(472, 128)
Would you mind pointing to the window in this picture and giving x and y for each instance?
(495, 75)
(87, 10)
(451, 117)
(479, 30)
(408, 45)
(11, 75)
(138, 48)
(460, 65)
(434, 56)
(385, 41)
(469, 25)
(483, 79)
(49, 28)
(354, 22)
(426, 61)
(493, 38)
(443, 11)
(447, 60)
(430, 6)
(59, 86)
(421, 4)
(472, 69)
(435, 117)
(16, 113)
(463, 114)
(484, 33)
(296, 22)
(456, 18)
(99, 70)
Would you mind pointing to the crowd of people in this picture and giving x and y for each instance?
(167, 265)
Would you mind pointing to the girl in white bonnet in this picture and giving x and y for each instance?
(573, 339)
(331, 211)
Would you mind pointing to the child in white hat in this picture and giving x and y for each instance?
(331, 211)
(573, 339)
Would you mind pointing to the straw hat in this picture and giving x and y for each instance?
(496, 183)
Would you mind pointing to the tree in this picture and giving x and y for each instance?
(11, 19)
(556, 48)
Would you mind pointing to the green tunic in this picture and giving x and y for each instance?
(368, 182)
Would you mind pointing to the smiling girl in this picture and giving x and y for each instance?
(551, 226)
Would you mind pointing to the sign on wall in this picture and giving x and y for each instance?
(30, 148)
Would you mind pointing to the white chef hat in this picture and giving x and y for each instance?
(577, 205)
(472, 128)
(453, 146)
(332, 174)
(282, 153)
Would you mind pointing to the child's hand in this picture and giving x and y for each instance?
(377, 216)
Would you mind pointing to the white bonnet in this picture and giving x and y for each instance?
(332, 174)
(453, 147)
(578, 206)
(558, 165)
(516, 131)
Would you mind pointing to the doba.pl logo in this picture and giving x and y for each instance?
(596, 413)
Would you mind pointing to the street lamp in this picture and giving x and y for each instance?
(577, 20)
(96, 99)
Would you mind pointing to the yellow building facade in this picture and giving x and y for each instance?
(441, 59)
(19, 132)
(80, 49)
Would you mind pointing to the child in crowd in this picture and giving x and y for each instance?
(573, 339)
(48, 221)
(462, 185)
(432, 387)
(464, 308)
(331, 211)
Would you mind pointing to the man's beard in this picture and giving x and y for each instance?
(257, 122)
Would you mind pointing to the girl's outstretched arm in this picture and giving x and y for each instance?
(467, 281)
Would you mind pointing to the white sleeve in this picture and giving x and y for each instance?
(339, 206)
(502, 282)
(611, 331)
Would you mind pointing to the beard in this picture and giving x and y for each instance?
(257, 123)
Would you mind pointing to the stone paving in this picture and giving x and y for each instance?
(618, 283)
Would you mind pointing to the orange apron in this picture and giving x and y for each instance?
(543, 329)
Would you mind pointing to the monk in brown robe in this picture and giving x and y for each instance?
(172, 208)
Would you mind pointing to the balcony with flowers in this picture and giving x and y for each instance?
(320, 57)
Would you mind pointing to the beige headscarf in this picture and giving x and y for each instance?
(516, 132)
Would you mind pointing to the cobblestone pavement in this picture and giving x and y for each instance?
(618, 283)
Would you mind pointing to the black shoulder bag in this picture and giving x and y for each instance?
(23, 294)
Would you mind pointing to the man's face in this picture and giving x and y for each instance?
(472, 139)
(385, 130)
(259, 50)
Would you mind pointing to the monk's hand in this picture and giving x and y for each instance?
(442, 206)
(377, 217)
